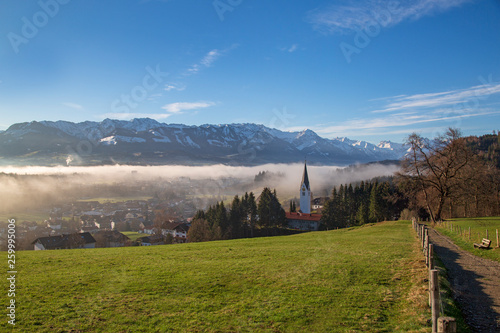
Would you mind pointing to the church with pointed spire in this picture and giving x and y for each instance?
(304, 219)
(305, 193)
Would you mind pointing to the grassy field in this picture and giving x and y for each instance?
(366, 279)
(460, 234)
(27, 216)
(133, 235)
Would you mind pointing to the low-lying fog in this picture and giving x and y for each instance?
(28, 187)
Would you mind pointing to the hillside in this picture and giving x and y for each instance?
(487, 146)
(148, 142)
(368, 279)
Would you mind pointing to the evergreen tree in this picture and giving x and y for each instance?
(210, 216)
(236, 216)
(251, 212)
(263, 208)
(376, 208)
(200, 214)
(350, 204)
(271, 214)
(330, 215)
(362, 216)
(221, 220)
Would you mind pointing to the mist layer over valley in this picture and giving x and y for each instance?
(41, 188)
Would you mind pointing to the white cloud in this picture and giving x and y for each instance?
(194, 69)
(129, 116)
(468, 96)
(293, 48)
(357, 15)
(402, 120)
(290, 49)
(172, 86)
(208, 60)
(154, 97)
(73, 105)
(184, 106)
(438, 110)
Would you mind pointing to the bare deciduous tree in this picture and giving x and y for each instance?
(439, 168)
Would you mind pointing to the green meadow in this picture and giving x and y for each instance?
(478, 227)
(133, 235)
(365, 279)
(26, 216)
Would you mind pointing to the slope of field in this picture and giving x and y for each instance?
(368, 279)
(133, 235)
(478, 227)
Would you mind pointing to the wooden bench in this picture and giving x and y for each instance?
(485, 244)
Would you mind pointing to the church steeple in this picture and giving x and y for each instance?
(305, 192)
(305, 178)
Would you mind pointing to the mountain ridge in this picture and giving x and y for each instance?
(144, 141)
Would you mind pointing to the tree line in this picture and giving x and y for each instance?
(452, 176)
(445, 177)
(243, 218)
(365, 202)
(448, 176)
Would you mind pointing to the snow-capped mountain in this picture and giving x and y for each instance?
(146, 141)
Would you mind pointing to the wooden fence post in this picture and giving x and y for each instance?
(431, 257)
(447, 325)
(469, 234)
(424, 229)
(498, 245)
(434, 290)
(426, 247)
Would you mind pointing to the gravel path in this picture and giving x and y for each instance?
(475, 282)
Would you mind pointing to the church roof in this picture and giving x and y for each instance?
(305, 177)
(303, 217)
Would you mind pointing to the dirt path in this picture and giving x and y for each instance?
(475, 282)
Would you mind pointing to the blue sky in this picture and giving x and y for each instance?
(366, 69)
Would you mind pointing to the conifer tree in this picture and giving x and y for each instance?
(251, 212)
(236, 218)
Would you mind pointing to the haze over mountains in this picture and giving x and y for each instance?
(148, 142)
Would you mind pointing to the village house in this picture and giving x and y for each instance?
(110, 238)
(318, 203)
(148, 230)
(89, 226)
(181, 232)
(302, 221)
(103, 224)
(145, 224)
(151, 240)
(69, 241)
(54, 224)
(178, 231)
